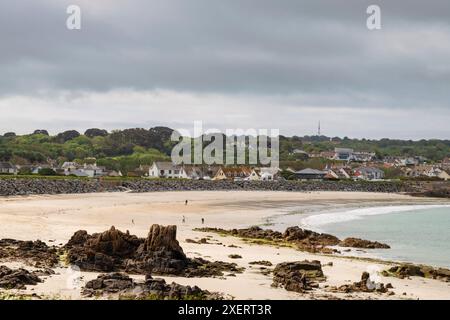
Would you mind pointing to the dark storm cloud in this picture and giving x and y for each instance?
(307, 53)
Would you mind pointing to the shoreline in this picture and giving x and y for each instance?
(57, 217)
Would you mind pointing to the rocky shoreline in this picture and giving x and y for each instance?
(301, 239)
(24, 186)
(117, 255)
(160, 253)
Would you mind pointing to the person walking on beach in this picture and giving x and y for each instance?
(184, 219)
(185, 203)
(132, 221)
(203, 220)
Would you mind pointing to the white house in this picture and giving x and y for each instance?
(92, 170)
(161, 169)
(70, 167)
(269, 173)
(369, 173)
(363, 156)
(8, 168)
(343, 154)
(86, 170)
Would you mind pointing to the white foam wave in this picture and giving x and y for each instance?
(355, 214)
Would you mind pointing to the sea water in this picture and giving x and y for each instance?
(416, 233)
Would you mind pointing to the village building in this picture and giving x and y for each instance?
(69, 168)
(445, 164)
(233, 173)
(368, 173)
(8, 168)
(363, 156)
(310, 174)
(166, 169)
(444, 175)
(264, 174)
(192, 172)
(254, 175)
(85, 170)
(92, 170)
(186, 171)
(113, 173)
(327, 155)
(269, 173)
(343, 154)
(209, 172)
(338, 172)
(427, 171)
(144, 170)
(300, 154)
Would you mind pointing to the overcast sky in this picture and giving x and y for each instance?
(282, 64)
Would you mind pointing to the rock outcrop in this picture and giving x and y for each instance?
(34, 253)
(309, 237)
(298, 276)
(302, 239)
(108, 284)
(101, 251)
(155, 289)
(410, 270)
(16, 279)
(363, 244)
(159, 253)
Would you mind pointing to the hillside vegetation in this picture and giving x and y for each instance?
(128, 149)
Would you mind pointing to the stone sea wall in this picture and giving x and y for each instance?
(22, 186)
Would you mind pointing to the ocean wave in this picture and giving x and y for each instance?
(322, 219)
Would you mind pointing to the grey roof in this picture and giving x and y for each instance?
(343, 150)
(92, 167)
(166, 165)
(6, 165)
(369, 170)
(299, 151)
(310, 171)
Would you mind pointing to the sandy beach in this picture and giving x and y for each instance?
(54, 218)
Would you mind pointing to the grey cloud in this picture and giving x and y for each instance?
(315, 53)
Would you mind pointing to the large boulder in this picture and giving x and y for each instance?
(127, 288)
(298, 276)
(109, 283)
